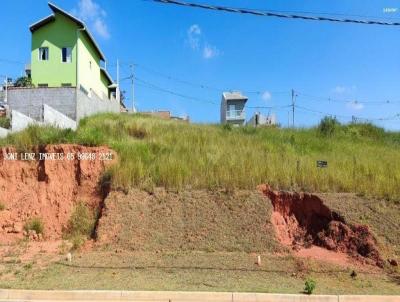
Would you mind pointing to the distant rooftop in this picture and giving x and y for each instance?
(234, 95)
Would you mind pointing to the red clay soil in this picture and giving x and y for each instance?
(302, 220)
(47, 189)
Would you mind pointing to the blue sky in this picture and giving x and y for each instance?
(263, 57)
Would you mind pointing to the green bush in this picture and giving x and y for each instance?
(34, 224)
(5, 122)
(309, 286)
(81, 222)
(328, 126)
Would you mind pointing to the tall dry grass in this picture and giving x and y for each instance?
(153, 152)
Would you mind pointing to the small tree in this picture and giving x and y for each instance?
(328, 126)
(23, 82)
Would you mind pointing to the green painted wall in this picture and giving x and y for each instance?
(85, 66)
(54, 35)
(89, 67)
(105, 82)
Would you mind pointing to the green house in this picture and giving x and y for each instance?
(65, 54)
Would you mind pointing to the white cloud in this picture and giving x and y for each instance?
(266, 96)
(92, 13)
(210, 52)
(340, 89)
(197, 42)
(194, 34)
(354, 105)
(101, 28)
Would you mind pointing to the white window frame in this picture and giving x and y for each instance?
(47, 53)
(68, 55)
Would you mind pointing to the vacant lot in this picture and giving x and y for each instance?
(361, 158)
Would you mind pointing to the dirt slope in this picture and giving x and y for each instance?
(302, 220)
(47, 189)
(188, 220)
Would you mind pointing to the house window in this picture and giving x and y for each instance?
(66, 54)
(43, 54)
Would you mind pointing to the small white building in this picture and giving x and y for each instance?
(233, 108)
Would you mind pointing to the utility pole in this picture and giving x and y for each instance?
(133, 89)
(292, 108)
(6, 93)
(118, 94)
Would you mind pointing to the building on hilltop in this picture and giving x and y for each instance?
(259, 119)
(65, 54)
(233, 108)
(67, 73)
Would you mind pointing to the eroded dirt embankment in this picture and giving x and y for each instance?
(48, 188)
(302, 220)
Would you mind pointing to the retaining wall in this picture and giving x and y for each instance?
(88, 106)
(56, 118)
(20, 121)
(30, 101)
(3, 132)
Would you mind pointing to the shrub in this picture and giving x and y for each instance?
(227, 127)
(77, 241)
(309, 286)
(2, 206)
(328, 126)
(5, 122)
(81, 222)
(34, 224)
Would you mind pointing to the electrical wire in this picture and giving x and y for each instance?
(261, 13)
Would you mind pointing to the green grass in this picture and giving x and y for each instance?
(81, 225)
(153, 152)
(34, 224)
(196, 271)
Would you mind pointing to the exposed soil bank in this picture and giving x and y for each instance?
(48, 188)
(187, 220)
(302, 220)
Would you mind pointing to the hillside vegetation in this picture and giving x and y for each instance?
(361, 158)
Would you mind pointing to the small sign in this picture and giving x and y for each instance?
(322, 164)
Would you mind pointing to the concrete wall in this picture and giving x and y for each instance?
(20, 121)
(30, 101)
(88, 106)
(3, 132)
(57, 119)
(171, 296)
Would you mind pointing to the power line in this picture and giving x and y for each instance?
(333, 100)
(158, 88)
(202, 86)
(273, 14)
(387, 118)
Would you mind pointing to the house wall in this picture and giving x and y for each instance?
(89, 75)
(29, 101)
(88, 106)
(71, 102)
(54, 35)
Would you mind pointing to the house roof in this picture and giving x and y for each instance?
(234, 95)
(109, 78)
(80, 23)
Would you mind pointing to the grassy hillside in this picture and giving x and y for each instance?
(361, 158)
